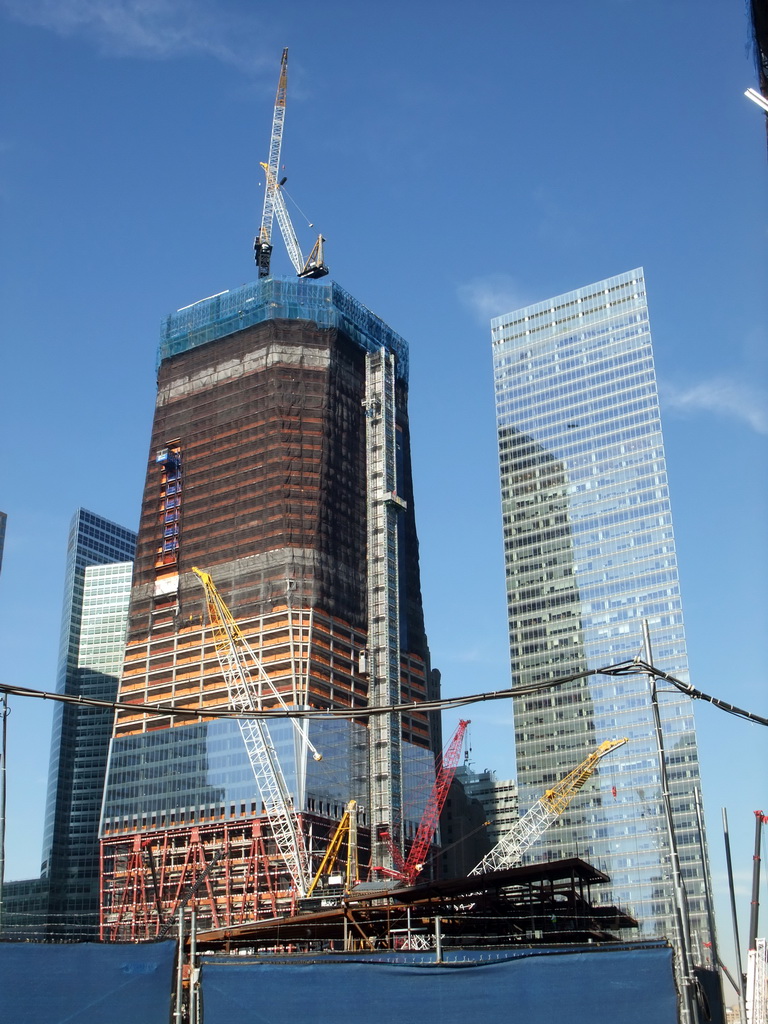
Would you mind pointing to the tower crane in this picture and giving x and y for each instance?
(235, 654)
(510, 848)
(274, 202)
(314, 266)
(408, 869)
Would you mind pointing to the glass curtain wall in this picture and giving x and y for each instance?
(590, 554)
(96, 591)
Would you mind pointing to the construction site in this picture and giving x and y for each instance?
(277, 770)
(276, 586)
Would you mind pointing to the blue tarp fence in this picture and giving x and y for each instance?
(546, 986)
(86, 983)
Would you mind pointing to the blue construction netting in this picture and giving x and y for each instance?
(274, 298)
(579, 985)
(86, 983)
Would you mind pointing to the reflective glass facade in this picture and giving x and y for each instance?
(590, 553)
(497, 796)
(195, 773)
(97, 589)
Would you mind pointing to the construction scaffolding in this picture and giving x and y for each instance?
(384, 507)
(232, 872)
(324, 304)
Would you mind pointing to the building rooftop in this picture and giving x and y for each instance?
(273, 298)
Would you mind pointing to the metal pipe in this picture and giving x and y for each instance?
(177, 1013)
(755, 905)
(730, 977)
(737, 947)
(689, 1013)
(438, 941)
(707, 880)
(3, 750)
(193, 967)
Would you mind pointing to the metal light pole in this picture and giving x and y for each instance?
(760, 820)
(178, 1013)
(707, 882)
(193, 975)
(689, 1014)
(736, 944)
(3, 749)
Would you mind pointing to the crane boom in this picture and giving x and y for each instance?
(234, 654)
(346, 829)
(431, 817)
(274, 204)
(510, 848)
(263, 244)
(408, 870)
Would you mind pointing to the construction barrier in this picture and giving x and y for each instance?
(86, 983)
(634, 985)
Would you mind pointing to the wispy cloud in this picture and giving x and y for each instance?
(149, 28)
(491, 296)
(728, 395)
(561, 225)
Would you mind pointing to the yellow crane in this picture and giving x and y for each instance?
(347, 828)
(510, 848)
(235, 657)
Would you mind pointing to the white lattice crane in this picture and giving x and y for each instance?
(314, 265)
(274, 203)
(235, 657)
(511, 847)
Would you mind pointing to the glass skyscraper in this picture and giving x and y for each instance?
(590, 554)
(94, 619)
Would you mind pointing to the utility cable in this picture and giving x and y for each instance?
(633, 667)
(280, 712)
(642, 666)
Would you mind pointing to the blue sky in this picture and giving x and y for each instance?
(461, 162)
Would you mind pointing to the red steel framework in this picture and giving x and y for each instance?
(230, 871)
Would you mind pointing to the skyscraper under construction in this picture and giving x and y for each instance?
(280, 465)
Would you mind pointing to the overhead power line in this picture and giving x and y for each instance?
(633, 667)
(642, 666)
(281, 712)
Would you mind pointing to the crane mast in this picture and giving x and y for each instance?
(234, 654)
(510, 848)
(274, 204)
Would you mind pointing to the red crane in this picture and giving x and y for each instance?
(409, 869)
